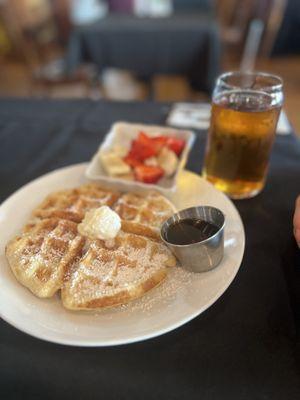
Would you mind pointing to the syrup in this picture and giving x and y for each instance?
(188, 231)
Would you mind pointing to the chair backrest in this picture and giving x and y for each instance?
(61, 13)
(235, 16)
(262, 31)
(42, 37)
(31, 33)
(251, 25)
(273, 20)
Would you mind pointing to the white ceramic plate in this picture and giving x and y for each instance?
(122, 134)
(181, 297)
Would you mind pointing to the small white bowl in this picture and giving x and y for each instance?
(122, 134)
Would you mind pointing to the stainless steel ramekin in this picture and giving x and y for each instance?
(206, 254)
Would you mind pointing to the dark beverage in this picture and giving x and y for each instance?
(241, 135)
(188, 231)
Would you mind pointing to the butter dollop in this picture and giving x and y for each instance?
(100, 223)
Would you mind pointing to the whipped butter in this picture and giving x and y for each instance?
(100, 223)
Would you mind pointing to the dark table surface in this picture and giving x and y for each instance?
(186, 44)
(246, 346)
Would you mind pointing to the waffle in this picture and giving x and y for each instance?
(109, 276)
(39, 257)
(50, 255)
(143, 215)
(73, 203)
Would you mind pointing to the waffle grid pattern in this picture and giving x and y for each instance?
(50, 255)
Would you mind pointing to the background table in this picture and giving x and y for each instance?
(246, 346)
(181, 44)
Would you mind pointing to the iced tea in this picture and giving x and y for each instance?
(242, 130)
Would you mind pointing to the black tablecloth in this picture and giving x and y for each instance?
(181, 44)
(246, 346)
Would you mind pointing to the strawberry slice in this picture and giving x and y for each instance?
(144, 138)
(142, 147)
(140, 150)
(153, 144)
(133, 162)
(148, 174)
(159, 142)
(175, 145)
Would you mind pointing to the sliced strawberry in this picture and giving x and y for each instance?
(141, 150)
(175, 145)
(153, 143)
(133, 162)
(160, 139)
(159, 142)
(144, 138)
(147, 174)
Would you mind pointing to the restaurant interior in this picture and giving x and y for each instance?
(150, 199)
(42, 53)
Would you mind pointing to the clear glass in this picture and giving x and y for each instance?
(244, 116)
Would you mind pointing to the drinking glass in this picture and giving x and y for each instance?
(244, 116)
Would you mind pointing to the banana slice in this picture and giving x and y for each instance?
(120, 151)
(127, 177)
(151, 162)
(168, 161)
(113, 164)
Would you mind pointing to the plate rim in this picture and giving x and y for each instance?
(94, 343)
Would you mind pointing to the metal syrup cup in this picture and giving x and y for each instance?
(204, 255)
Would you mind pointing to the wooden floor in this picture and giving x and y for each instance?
(15, 81)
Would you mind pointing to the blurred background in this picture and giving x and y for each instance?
(163, 50)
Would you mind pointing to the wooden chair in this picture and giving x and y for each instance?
(273, 22)
(250, 27)
(38, 45)
(233, 20)
(262, 32)
(61, 14)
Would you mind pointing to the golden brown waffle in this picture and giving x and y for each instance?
(50, 254)
(108, 276)
(39, 257)
(143, 215)
(73, 203)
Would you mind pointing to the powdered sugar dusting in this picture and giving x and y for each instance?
(177, 281)
(164, 295)
(104, 271)
(151, 211)
(89, 270)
